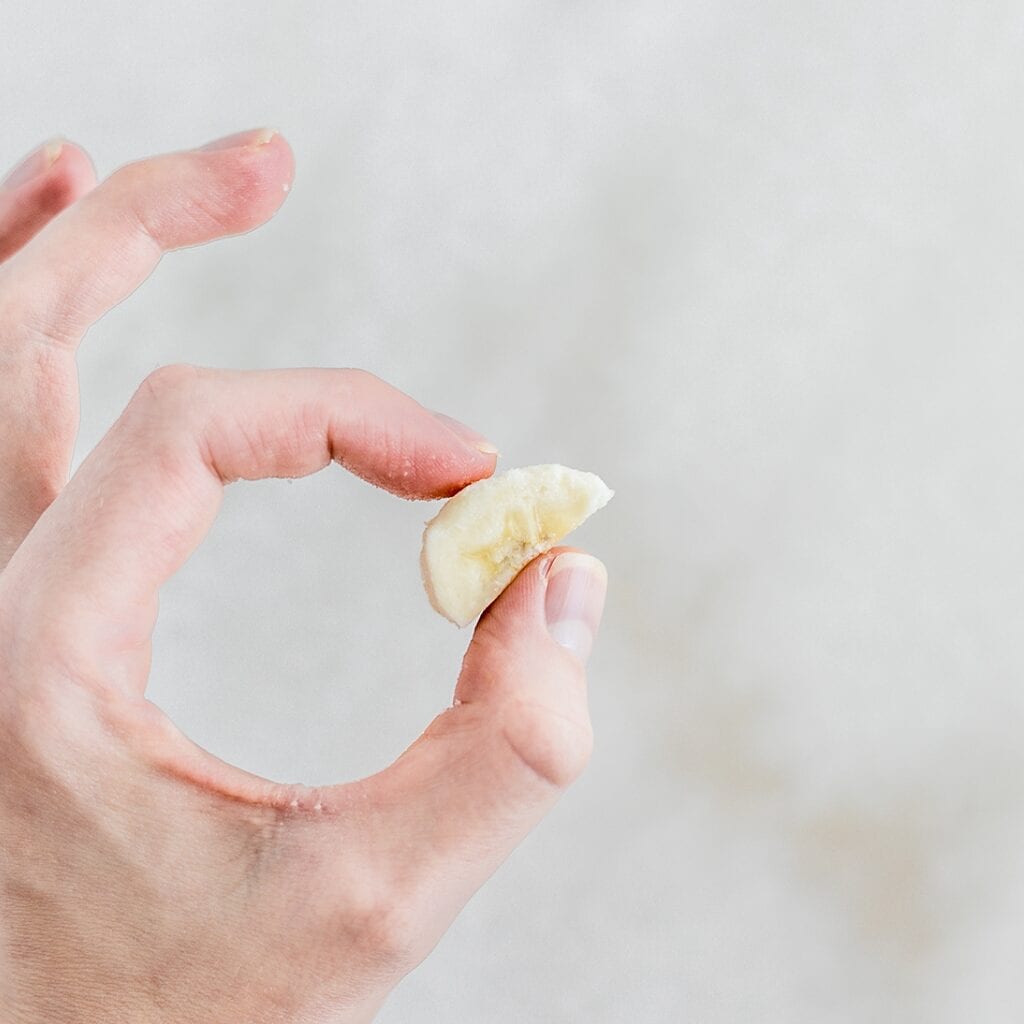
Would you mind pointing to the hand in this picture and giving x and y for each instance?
(141, 878)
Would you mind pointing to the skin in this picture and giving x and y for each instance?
(141, 878)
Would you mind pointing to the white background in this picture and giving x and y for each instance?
(757, 264)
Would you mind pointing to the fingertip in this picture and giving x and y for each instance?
(56, 171)
(516, 616)
(530, 585)
(252, 138)
(467, 434)
(74, 168)
(574, 601)
(463, 465)
(258, 177)
(559, 596)
(261, 163)
(278, 161)
(452, 461)
(419, 455)
(53, 177)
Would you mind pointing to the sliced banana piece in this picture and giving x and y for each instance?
(474, 547)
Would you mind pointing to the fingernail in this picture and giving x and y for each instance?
(38, 161)
(251, 139)
(575, 600)
(467, 434)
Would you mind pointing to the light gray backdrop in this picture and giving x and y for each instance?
(759, 265)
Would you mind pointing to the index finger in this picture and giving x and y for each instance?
(83, 586)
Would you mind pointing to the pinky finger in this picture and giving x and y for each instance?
(47, 181)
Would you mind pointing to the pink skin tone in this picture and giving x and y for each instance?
(142, 879)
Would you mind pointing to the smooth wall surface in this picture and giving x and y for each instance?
(759, 265)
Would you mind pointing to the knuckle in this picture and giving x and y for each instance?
(354, 382)
(124, 192)
(365, 383)
(356, 376)
(164, 411)
(167, 385)
(383, 930)
(124, 180)
(52, 721)
(551, 746)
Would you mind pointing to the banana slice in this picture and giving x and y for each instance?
(474, 547)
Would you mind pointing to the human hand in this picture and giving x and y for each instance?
(141, 878)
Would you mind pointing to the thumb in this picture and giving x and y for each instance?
(491, 766)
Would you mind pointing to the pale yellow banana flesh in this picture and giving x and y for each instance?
(474, 547)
